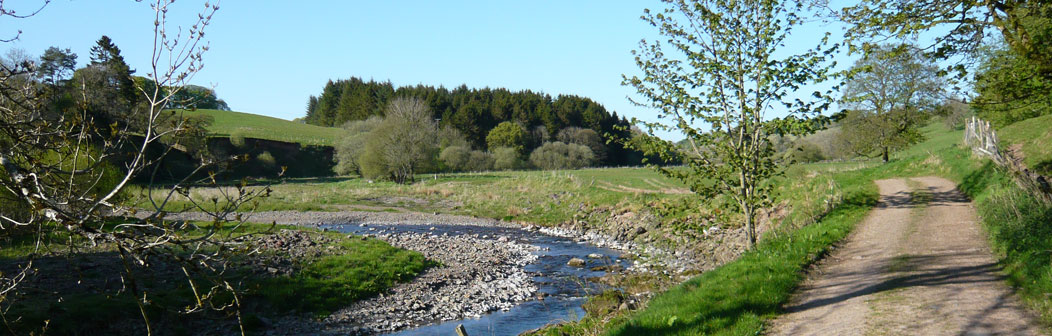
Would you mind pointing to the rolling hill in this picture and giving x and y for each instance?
(228, 123)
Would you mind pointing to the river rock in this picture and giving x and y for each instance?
(576, 262)
(595, 256)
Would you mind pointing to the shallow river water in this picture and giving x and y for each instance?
(566, 286)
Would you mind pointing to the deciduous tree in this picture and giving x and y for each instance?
(558, 155)
(890, 92)
(403, 144)
(507, 134)
(960, 27)
(1010, 88)
(715, 76)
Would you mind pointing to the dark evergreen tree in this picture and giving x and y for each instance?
(107, 55)
(56, 65)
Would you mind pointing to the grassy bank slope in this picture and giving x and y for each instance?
(1034, 137)
(227, 123)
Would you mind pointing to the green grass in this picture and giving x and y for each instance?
(227, 123)
(360, 269)
(1035, 137)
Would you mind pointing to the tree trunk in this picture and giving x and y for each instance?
(885, 152)
(750, 226)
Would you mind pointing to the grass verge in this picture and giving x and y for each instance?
(1019, 230)
(1035, 141)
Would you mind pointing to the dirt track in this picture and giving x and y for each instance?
(917, 265)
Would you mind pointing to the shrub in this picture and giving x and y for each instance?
(559, 155)
(455, 157)
(956, 113)
(804, 151)
(480, 161)
(449, 137)
(584, 137)
(505, 158)
(349, 148)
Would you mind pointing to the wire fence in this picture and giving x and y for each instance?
(981, 137)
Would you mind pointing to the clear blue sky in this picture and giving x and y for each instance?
(268, 57)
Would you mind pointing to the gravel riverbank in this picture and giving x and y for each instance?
(479, 274)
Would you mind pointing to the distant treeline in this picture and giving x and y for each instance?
(475, 112)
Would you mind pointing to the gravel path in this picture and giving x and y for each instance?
(912, 267)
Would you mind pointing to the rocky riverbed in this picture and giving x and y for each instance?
(479, 274)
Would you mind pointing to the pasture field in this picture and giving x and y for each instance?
(822, 201)
(228, 123)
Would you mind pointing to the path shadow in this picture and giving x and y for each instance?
(985, 272)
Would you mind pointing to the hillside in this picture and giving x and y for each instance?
(227, 123)
(1033, 138)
